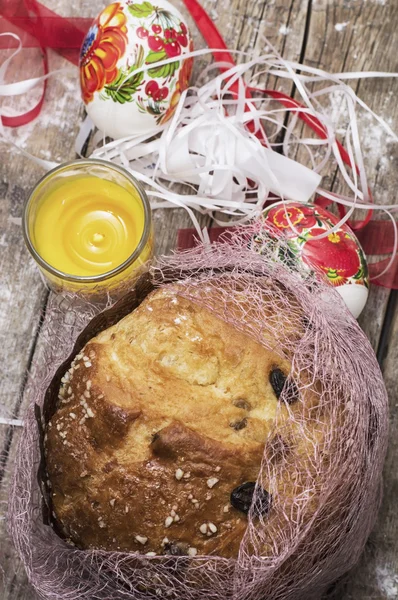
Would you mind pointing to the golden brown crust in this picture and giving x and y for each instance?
(160, 418)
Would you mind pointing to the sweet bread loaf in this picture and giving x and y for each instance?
(160, 430)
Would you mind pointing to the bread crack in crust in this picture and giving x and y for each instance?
(159, 432)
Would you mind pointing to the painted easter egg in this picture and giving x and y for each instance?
(125, 37)
(338, 256)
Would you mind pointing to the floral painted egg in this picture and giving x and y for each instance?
(338, 256)
(125, 37)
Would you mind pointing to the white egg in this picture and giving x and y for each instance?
(125, 37)
(355, 297)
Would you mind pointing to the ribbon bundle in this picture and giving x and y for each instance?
(44, 28)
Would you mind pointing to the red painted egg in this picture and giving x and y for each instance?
(338, 255)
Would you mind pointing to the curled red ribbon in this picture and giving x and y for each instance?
(42, 27)
(39, 27)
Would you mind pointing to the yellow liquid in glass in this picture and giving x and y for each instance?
(88, 226)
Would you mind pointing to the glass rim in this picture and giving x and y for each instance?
(101, 276)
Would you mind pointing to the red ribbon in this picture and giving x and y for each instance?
(44, 29)
(27, 117)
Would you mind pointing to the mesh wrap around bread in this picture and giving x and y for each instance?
(308, 538)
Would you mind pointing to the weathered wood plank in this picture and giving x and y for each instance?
(284, 22)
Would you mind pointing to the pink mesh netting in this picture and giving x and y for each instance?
(322, 465)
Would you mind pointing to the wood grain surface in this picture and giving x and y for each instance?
(335, 35)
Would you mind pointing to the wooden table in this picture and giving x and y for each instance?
(335, 35)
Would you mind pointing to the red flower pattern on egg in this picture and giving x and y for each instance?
(336, 255)
(142, 32)
(301, 217)
(172, 49)
(104, 44)
(182, 39)
(151, 88)
(182, 84)
(155, 43)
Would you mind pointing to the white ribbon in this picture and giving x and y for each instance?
(12, 422)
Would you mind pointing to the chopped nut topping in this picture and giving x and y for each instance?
(203, 528)
(208, 529)
(168, 521)
(192, 551)
(218, 469)
(212, 482)
(141, 539)
(126, 509)
(226, 508)
(150, 554)
(179, 474)
(165, 541)
(212, 528)
(112, 502)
